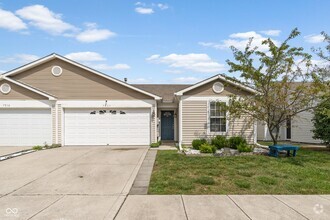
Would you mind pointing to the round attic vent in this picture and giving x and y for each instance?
(56, 70)
(218, 87)
(5, 88)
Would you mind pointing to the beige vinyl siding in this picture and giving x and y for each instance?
(153, 122)
(54, 123)
(243, 127)
(76, 83)
(301, 128)
(59, 123)
(194, 120)
(207, 90)
(195, 123)
(19, 93)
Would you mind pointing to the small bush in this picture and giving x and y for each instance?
(205, 180)
(156, 144)
(220, 142)
(197, 143)
(235, 141)
(206, 148)
(244, 148)
(53, 146)
(37, 148)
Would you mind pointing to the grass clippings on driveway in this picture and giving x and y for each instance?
(307, 173)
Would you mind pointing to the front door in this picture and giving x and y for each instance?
(167, 125)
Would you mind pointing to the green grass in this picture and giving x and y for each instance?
(307, 173)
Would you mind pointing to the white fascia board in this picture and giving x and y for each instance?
(53, 56)
(28, 87)
(106, 103)
(25, 104)
(205, 98)
(180, 93)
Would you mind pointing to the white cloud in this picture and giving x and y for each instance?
(173, 71)
(193, 62)
(271, 32)
(314, 38)
(85, 56)
(144, 11)
(93, 34)
(143, 8)
(44, 19)
(186, 80)
(119, 66)
(20, 58)
(240, 40)
(162, 6)
(10, 21)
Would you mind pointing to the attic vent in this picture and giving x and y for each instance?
(56, 70)
(5, 88)
(218, 87)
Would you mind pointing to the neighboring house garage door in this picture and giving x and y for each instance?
(25, 127)
(107, 127)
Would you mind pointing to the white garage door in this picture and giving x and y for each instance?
(25, 127)
(107, 127)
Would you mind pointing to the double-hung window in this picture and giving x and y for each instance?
(217, 116)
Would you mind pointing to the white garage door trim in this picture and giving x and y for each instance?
(126, 126)
(25, 127)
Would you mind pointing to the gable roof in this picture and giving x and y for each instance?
(54, 56)
(28, 87)
(166, 91)
(221, 77)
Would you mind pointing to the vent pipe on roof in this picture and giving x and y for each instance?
(125, 79)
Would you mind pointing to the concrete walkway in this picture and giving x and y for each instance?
(141, 183)
(197, 207)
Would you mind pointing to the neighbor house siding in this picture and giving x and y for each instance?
(76, 83)
(194, 120)
(59, 123)
(19, 93)
(153, 125)
(301, 128)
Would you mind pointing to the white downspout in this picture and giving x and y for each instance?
(180, 123)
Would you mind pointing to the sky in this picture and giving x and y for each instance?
(164, 42)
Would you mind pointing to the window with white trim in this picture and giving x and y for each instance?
(217, 117)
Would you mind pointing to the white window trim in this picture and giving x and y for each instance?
(218, 99)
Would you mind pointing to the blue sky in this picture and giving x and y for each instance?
(152, 41)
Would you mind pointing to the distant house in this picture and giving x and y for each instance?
(296, 129)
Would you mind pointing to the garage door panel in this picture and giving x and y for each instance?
(25, 127)
(83, 128)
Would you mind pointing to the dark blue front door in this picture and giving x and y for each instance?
(167, 125)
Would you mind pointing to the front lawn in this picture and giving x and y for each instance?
(307, 173)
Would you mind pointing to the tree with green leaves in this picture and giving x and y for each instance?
(285, 78)
(321, 119)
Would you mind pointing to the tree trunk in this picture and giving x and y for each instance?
(274, 138)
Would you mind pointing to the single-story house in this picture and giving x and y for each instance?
(55, 100)
(296, 129)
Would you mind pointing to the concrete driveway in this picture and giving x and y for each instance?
(68, 182)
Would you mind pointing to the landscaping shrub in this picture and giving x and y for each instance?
(53, 146)
(197, 143)
(37, 148)
(156, 144)
(220, 142)
(235, 141)
(244, 148)
(206, 148)
(205, 180)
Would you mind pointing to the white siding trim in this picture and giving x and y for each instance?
(106, 103)
(25, 104)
